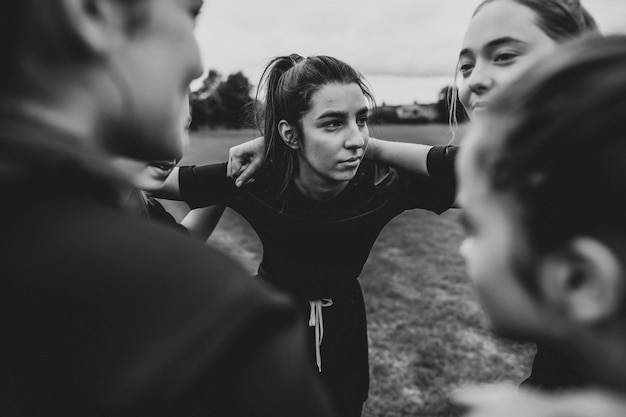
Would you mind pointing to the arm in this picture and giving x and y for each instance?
(170, 189)
(201, 222)
(411, 157)
(503, 400)
(245, 159)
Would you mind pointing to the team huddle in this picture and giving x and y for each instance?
(111, 307)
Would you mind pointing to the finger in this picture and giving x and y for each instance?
(243, 178)
(246, 176)
(234, 167)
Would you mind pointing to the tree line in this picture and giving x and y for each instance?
(226, 103)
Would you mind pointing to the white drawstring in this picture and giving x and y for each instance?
(316, 320)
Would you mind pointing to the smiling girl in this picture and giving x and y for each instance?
(318, 208)
(558, 231)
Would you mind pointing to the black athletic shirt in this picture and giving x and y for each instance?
(314, 249)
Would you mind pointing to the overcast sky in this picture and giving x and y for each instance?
(406, 49)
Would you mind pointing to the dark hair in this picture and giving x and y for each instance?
(555, 145)
(13, 14)
(560, 20)
(24, 24)
(288, 84)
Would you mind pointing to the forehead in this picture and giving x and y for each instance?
(503, 19)
(336, 96)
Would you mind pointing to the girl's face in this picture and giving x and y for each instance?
(335, 138)
(502, 40)
(151, 176)
(144, 176)
(493, 240)
(158, 61)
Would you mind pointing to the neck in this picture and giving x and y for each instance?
(604, 357)
(318, 190)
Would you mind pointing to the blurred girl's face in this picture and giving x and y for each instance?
(502, 40)
(335, 137)
(158, 60)
(144, 176)
(494, 239)
(151, 176)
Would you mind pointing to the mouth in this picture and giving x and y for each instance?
(479, 106)
(354, 161)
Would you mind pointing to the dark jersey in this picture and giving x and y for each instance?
(316, 249)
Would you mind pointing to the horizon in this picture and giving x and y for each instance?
(416, 62)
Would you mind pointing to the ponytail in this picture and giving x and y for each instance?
(274, 110)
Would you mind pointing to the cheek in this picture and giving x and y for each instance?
(317, 149)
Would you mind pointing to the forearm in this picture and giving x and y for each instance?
(201, 222)
(410, 157)
(171, 188)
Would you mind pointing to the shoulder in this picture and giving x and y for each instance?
(135, 304)
(116, 248)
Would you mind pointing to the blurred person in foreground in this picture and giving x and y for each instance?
(103, 313)
(543, 185)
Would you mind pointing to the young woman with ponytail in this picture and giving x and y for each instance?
(318, 207)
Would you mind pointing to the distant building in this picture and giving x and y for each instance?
(417, 113)
(408, 113)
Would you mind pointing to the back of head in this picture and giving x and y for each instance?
(287, 87)
(32, 28)
(73, 74)
(559, 19)
(555, 144)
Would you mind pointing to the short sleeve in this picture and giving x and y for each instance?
(206, 185)
(437, 191)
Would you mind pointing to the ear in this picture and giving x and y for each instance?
(288, 134)
(97, 25)
(585, 282)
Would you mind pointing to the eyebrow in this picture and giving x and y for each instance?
(340, 114)
(494, 44)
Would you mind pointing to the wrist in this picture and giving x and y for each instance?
(373, 149)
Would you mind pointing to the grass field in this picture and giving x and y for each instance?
(426, 328)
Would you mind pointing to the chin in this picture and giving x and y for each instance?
(149, 184)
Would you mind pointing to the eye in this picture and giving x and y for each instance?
(361, 121)
(466, 225)
(195, 9)
(505, 57)
(465, 68)
(332, 124)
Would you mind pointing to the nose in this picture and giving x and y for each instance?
(357, 137)
(480, 81)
